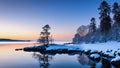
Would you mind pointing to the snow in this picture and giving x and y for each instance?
(118, 51)
(109, 53)
(104, 47)
(100, 46)
(56, 47)
(117, 58)
(93, 51)
(60, 46)
(87, 50)
(95, 56)
(110, 48)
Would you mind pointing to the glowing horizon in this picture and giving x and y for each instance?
(23, 19)
(15, 32)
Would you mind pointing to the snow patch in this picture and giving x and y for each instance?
(95, 56)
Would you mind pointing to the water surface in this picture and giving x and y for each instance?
(9, 58)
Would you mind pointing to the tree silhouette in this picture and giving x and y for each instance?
(92, 27)
(84, 60)
(116, 12)
(105, 63)
(43, 59)
(105, 24)
(45, 36)
(105, 20)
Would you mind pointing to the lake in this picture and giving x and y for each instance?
(9, 58)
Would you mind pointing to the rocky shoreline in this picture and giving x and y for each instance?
(112, 56)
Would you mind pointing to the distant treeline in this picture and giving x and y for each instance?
(12, 40)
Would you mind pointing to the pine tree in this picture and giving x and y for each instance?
(92, 27)
(45, 36)
(105, 24)
(105, 20)
(116, 18)
(116, 12)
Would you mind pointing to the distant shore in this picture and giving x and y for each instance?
(13, 40)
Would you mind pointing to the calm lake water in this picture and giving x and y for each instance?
(9, 58)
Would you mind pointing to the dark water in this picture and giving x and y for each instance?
(9, 58)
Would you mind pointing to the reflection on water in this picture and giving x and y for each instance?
(43, 59)
(9, 58)
(105, 63)
(84, 60)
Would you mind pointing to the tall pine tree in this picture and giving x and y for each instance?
(116, 12)
(105, 20)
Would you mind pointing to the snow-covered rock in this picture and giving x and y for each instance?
(117, 52)
(111, 54)
(95, 56)
(87, 50)
(116, 61)
(109, 49)
(58, 47)
(117, 58)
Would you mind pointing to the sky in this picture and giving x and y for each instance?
(24, 19)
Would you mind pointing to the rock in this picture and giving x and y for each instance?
(95, 57)
(35, 48)
(116, 61)
(87, 51)
(18, 49)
